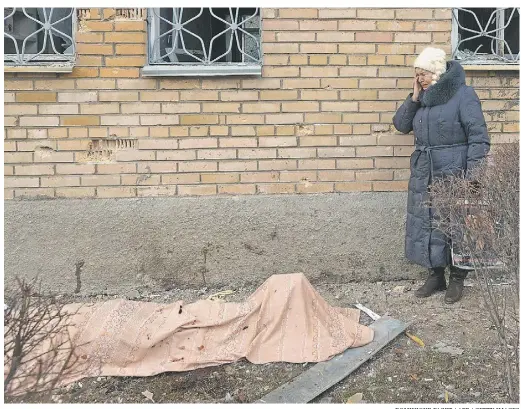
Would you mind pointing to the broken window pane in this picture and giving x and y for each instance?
(205, 36)
(38, 34)
(487, 35)
(512, 30)
(477, 20)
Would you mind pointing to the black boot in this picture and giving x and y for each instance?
(455, 290)
(435, 282)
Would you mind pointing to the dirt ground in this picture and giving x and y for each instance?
(459, 361)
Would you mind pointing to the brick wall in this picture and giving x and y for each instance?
(319, 119)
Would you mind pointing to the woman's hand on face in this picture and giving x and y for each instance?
(416, 89)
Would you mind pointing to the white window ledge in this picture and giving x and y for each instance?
(39, 68)
(199, 70)
(490, 67)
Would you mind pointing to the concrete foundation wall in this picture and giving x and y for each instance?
(113, 246)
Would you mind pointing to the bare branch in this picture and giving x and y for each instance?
(480, 218)
(39, 351)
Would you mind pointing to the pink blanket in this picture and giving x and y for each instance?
(285, 319)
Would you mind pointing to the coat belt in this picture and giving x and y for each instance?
(429, 149)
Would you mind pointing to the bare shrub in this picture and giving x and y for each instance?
(481, 217)
(38, 351)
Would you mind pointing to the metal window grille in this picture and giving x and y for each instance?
(39, 36)
(485, 35)
(205, 37)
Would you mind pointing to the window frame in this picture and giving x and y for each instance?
(478, 62)
(195, 70)
(45, 62)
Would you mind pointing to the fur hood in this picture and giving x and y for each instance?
(446, 87)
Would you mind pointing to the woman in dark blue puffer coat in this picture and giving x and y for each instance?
(450, 138)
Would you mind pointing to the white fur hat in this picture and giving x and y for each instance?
(433, 60)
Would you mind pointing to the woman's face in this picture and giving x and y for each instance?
(424, 77)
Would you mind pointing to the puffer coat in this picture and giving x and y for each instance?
(450, 138)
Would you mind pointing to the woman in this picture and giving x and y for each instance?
(450, 137)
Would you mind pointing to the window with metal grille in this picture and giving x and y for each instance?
(39, 36)
(204, 41)
(485, 35)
